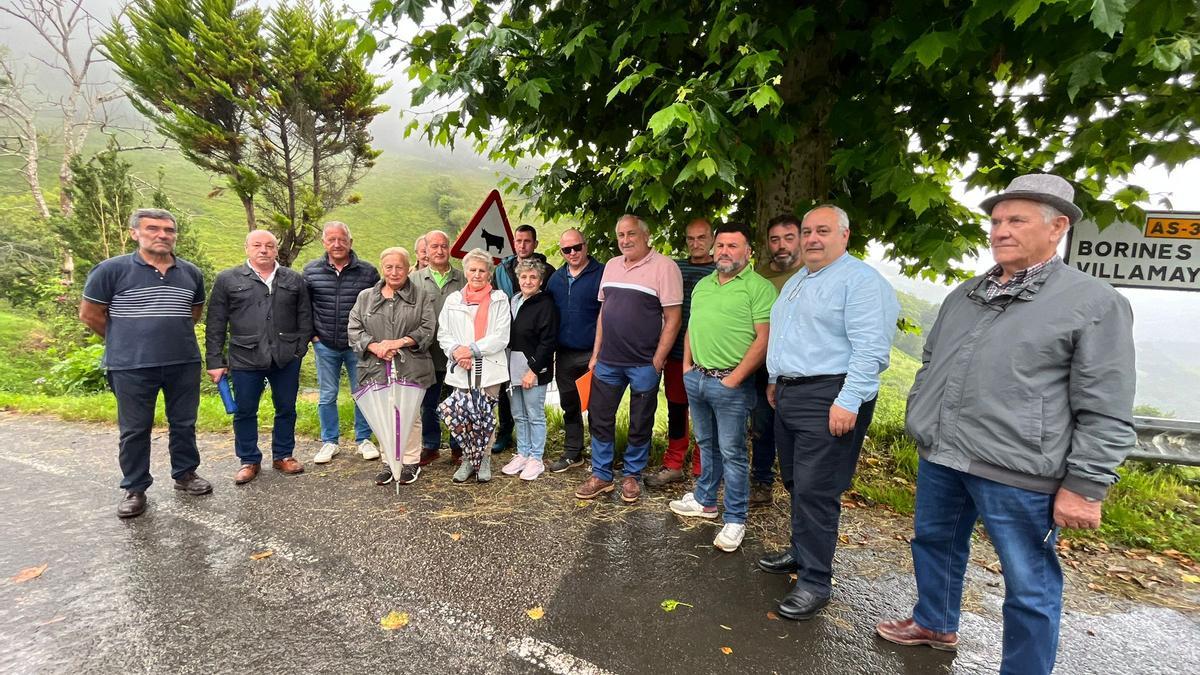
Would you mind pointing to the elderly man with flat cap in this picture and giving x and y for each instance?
(1021, 411)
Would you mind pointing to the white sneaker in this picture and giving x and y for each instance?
(326, 453)
(730, 537)
(688, 506)
(368, 450)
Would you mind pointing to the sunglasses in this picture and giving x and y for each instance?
(568, 250)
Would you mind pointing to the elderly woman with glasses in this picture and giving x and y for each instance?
(530, 367)
(473, 331)
(393, 322)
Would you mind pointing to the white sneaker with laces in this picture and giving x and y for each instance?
(368, 450)
(730, 537)
(326, 453)
(688, 506)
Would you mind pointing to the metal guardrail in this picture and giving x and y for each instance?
(1167, 441)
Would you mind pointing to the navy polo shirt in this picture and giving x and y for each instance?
(149, 314)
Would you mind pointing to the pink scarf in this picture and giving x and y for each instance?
(483, 298)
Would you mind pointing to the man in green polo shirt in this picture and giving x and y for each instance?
(725, 344)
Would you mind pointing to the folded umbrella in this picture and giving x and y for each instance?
(390, 408)
(470, 415)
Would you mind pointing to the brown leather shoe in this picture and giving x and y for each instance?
(247, 473)
(593, 487)
(631, 489)
(429, 456)
(908, 632)
(288, 465)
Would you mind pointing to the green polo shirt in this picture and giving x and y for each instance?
(721, 327)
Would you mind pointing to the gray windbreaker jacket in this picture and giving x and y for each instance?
(1033, 389)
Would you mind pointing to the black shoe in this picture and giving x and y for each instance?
(384, 476)
(563, 463)
(409, 473)
(778, 563)
(500, 448)
(133, 504)
(802, 604)
(193, 484)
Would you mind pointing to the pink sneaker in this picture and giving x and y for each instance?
(533, 469)
(514, 466)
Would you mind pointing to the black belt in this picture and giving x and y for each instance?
(811, 379)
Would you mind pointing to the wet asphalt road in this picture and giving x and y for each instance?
(176, 590)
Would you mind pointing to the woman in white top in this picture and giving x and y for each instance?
(473, 332)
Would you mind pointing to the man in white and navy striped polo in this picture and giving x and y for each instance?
(145, 305)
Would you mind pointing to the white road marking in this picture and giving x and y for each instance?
(541, 654)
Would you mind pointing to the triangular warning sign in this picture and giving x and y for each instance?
(488, 231)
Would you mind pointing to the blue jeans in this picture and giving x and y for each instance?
(248, 386)
(608, 385)
(719, 417)
(329, 380)
(529, 417)
(1017, 521)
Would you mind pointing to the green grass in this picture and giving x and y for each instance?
(22, 361)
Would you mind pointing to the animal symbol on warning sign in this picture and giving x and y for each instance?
(491, 241)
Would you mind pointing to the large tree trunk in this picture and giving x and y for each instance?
(803, 176)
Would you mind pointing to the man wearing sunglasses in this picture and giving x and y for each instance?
(574, 288)
(1021, 411)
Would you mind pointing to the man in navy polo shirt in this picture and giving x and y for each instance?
(145, 305)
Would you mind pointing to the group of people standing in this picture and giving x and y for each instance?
(1021, 410)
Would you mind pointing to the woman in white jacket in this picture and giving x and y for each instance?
(473, 332)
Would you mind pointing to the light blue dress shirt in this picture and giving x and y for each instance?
(839, 319)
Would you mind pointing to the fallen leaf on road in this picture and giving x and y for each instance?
(726, 651)
(394, 620)
(29, 573)
(262, 554)
(579, 504)
(724, 626)
(672, 605)
(772, 616)
(536, 613)
(455, 535)
(1191, 579)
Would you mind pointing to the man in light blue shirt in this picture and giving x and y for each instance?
(831, 336)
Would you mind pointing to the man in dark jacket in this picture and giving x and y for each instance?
(574, 287)
(1021, 412)
(264, 310)
(525, 243)
(334, 282)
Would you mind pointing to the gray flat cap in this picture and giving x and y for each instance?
(1039, 187)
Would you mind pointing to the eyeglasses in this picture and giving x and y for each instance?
(568, 250)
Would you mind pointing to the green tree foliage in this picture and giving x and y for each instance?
(276, 101)
(746, 109)
(104, 196)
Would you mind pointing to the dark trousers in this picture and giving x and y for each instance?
(819, 467)
(431, 425)
(504, 430)
(136, 391)
(570, 365)
(248, 386)
(762, 431)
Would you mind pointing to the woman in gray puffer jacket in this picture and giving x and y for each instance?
(394, 321)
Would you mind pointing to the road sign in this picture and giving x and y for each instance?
(488, 231)
(1163, 252)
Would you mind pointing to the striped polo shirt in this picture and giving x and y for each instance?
(149, 314)
(632, 316)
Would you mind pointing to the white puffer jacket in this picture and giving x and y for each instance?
(456, 326)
